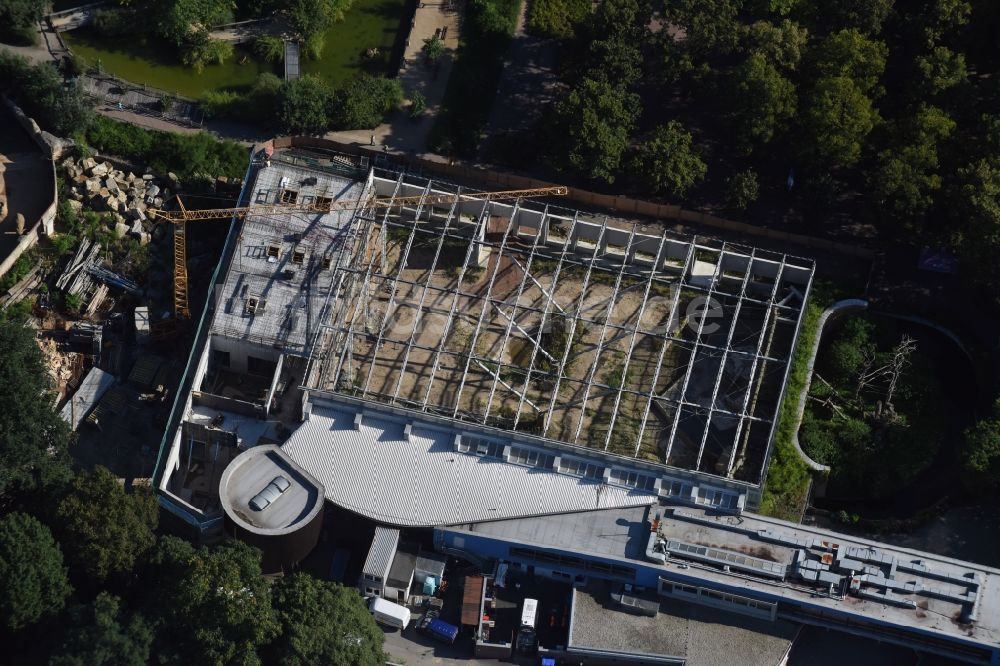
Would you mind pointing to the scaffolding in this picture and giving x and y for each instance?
(527, 317)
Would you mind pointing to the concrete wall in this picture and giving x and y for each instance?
(45, 224)
(459, 172)
(240, 350)
(281, 553)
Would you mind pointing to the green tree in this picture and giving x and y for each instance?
(304, 104)
(184, 22)
(105, 529)
(974, 203)
(33, 581)
(743, 188)
(849, 53)
(667, 161)
(616, 61)
(418, 104)
(782, 44)
(593, 124)
(557, 18)
(30, 457)
(865, 15)
(982, 451)
(906, 177)
(762, 100)
(433, 48)
(711, 26)
(18, 20)
(849, 349)
(324, 623)
(937, 18)
(215, 606)
(103, 633)
(364, 101)
(311, 18)
(269, 47)
(837, 119)
(941, 69)
(200, 50)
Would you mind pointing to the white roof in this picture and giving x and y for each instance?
(380, 555)
(93, 386)
(376, 472)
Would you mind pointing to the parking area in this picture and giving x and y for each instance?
(554, 598)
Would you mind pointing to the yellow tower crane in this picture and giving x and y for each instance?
(179, 218)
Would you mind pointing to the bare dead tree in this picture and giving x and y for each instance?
(900, 361)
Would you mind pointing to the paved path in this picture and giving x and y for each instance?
(400, 133)
(527, 86)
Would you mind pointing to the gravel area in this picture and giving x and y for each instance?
(702, 636)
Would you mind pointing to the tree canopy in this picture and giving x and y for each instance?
(104, 633)
(595, 119)
(324, 623)
(668, 162)
(304, 103)
(29, 456)
(33, 582)
(363, 101)
(105, 529)
(216, 605)
(18, 19)
(837, 118)
(982, 450)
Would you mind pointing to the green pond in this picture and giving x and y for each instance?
(145, 60)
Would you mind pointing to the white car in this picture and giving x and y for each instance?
(264, 498)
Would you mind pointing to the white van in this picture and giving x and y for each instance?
(389, 614)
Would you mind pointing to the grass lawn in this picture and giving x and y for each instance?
(145, 60)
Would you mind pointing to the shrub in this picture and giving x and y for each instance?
(271, 48)
(418, 104)
(363, 102)
(304, 105)
(743, 188)
(557, 18)
(220, 104)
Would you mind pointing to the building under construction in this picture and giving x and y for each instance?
(611, 352)
(562, 393)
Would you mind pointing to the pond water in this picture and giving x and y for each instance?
(144, 60)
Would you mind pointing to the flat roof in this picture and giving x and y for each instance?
(699, 635)
(808, 565)
(608, 532)
(250, 472)
(282, 269)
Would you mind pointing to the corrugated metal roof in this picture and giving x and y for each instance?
(381, 553)
(376, 472)
(92, 388)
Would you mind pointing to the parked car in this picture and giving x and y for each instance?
(431, 625)
(264, 498)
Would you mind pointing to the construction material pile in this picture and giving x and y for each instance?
(124, 194)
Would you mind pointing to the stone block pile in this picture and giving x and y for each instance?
(125, 195)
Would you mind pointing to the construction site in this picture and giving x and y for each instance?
(489, 309)
(530, 317)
